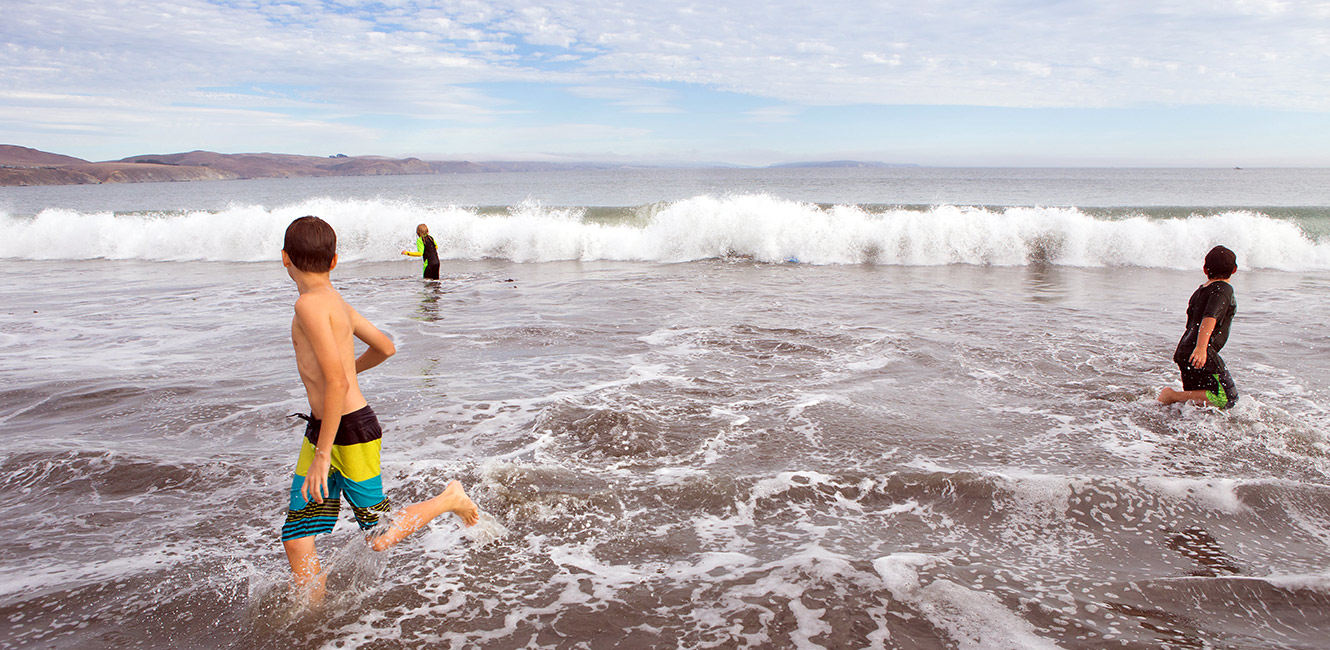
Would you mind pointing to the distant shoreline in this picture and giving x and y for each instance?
(24, 166)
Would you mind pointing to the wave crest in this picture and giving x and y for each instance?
(756, 227)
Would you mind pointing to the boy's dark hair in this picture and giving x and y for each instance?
(1220, 263)
(311, 244)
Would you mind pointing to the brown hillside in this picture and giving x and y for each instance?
(114, 172)
(24, 166)
(11, 154)
(274, 165)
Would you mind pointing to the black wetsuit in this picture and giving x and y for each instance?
(431, 255)
(1215, 300)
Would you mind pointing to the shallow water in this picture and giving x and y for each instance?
(712, 454)
(726, 450)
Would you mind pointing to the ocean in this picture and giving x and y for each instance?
(700, 408)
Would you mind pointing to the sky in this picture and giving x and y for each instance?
(930, 82)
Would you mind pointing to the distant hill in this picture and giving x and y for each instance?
(276, 165)
(18, 156)
(840, 163)
(25, 166)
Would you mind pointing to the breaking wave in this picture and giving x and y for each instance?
(757, 227)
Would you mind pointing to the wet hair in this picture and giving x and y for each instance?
(422, 230)
(1220, 263)
(311, 244)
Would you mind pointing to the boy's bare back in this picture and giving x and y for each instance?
(323, 333)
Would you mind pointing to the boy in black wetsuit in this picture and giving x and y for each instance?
(1210, 311)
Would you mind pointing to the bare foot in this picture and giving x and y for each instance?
(458, 503)
(411, 518)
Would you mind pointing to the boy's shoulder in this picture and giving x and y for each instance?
(1217, 294)
(1216, 286)
(319, 301)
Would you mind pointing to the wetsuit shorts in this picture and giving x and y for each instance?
(354, 473)
(1214, 379)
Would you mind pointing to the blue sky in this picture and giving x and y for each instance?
(932, 82)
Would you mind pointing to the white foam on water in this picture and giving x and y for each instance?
(1215, 493)
(485, 531)
(1036, 503)
(52, 575)
(779, 484)
(1132, 442)
(1314, 581)
(972, 619)
(809, 400)
(608, 579)
(755, 226)
(757, 586)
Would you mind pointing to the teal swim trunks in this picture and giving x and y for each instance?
(354, 473)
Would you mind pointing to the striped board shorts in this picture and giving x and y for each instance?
(354, 473)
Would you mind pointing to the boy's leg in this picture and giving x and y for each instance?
(304, 520)
(363, 486)
(1170, 396)
(304, 561)
(1210, 386)
(1193, 387)
(1224, 394)
(413, 517)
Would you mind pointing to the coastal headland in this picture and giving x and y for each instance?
(26, 166)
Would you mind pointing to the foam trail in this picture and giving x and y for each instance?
(759, 227)
(972, 619)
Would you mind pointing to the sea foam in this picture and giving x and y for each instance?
(757, 227)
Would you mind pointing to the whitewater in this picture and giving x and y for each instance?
(884, 408)
(758, 227)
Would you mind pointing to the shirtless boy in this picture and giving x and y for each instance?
(339, 454)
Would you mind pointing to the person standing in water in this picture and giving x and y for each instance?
(425, 248)
(339, 453)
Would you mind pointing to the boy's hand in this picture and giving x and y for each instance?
(316, 479)
(1198, 358)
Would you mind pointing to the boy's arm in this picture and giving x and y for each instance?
(316, 320)
(420, 248)
(1214, 308)
(380, 346)
(1202, 351)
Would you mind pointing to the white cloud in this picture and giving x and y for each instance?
(73, 118)
(1045, 54)
(554, 139)
(634, 98)
(440, 62)
(773, 114)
